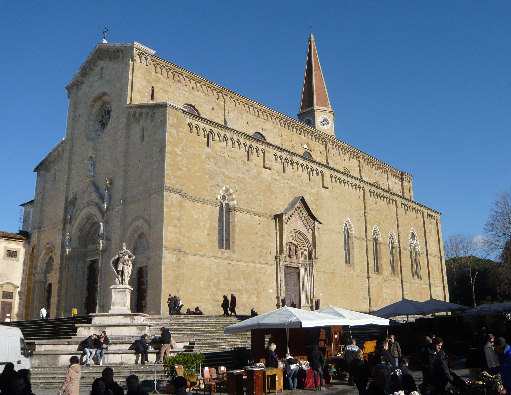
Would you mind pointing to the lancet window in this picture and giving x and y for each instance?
(348, 242)
(376, 238)
(392, 253)
(415, 255)
(226, 200)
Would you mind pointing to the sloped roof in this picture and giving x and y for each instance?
(314, 93)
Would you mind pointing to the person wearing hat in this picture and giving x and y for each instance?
(504, 353)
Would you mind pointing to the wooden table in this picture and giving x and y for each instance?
(273, 380)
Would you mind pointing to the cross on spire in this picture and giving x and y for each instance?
(105, 30)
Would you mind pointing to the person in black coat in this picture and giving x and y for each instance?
(271, 360)
(225, 305)
(359, 371)
(317, 363)
(383, 355)
(142, 347)
(381, 380)
(108, 377)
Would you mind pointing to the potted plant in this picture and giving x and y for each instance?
(191, 363)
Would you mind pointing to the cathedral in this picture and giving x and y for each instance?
(215, 194)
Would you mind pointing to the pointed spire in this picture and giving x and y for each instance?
(314, 93)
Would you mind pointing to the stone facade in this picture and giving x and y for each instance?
(196, 180)
(12, 255)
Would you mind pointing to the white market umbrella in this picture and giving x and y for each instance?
(355, 318)
(287, 317)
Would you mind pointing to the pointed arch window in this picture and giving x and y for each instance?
(226, 200)
(376, 238)
(415, 255)
(348, 243)
(307, 155)
(392, 253)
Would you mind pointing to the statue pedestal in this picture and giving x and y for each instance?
(121, 299)
(119, 321)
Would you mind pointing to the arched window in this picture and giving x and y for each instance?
(191, 109)
(415, 255)
(226, 199)
(307, 155)
(376, 249)
(259, 136)
(348, 242)
(392, 252)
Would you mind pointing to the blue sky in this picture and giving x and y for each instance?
(424, 86)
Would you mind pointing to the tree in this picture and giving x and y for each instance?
(498, 225)
(460, 252)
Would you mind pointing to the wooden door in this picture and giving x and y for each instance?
(141, 305)
(292, 284)
(5, 311)
(92, 287)
(48, 299)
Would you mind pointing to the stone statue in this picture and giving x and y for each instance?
(122, 264)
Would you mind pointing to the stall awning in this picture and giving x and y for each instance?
(355, 318)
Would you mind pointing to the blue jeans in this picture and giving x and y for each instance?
(90, 354)
(319, 373)
(100, 352)
(293, 378)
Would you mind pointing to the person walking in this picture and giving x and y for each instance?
(71, 383)
(225, 305)
(232, 306)
(142, 347)
(395, 350)
(90, 348)
(349, 353)
(102, 343)
(317, 364)
(166, 344)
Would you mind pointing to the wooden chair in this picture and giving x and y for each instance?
(209, 383)
(222, 379)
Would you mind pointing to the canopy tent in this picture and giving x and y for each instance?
(355, 318)
(490, 308)
(403, 307)
(287, 317)
(441, 306)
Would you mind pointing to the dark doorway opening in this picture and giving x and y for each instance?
(141, 306)
(92, 286)
(48, 299)
(292, 284)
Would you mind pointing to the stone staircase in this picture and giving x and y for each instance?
(203, 332)
(55, 340)
(53, 328)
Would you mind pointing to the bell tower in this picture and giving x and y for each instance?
(315, 109)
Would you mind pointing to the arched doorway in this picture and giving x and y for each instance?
(83, 279)
(140, 273)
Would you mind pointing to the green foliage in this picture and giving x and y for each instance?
(475, 280)
(189, 361)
